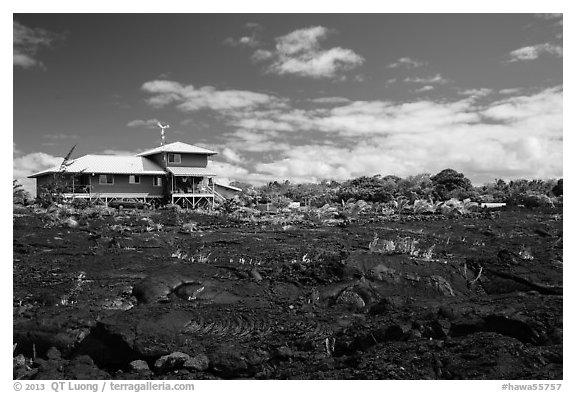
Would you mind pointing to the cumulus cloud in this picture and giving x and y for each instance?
(520, 136)
(406, 62)
(27, 42)
(232, 156)
(255, 141)
(300, 53)
(436, 79)
(517, 135)
(251, 39)
(189, 98)
(514, 90)
(60, 137)
(476, 93)
(538, 111)
(228, 172)
(424, 89)
(261, 55)
(31, 163)
(534, 52)
(558, 18)
(116, 152)
(330, 100)
(149, 124)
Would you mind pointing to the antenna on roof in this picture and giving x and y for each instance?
(162, 128)
(66, 160)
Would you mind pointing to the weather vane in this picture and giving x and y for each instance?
(162, 128)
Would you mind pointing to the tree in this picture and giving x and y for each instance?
(558, 189)
(416, 187)
(369, 189)
(447, 181)
(19, 195)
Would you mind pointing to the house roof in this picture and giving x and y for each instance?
(177, 147)
(190, 171)
(93, 163)
(228, 186)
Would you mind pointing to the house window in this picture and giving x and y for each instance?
(134, 179)
(174, 158)
(157, 181)
(106, 179)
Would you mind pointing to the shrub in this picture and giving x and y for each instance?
(81, 203)
(19, 195)
(422, 206)
(449, 180)
(532, 200)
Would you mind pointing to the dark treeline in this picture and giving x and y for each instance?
(444, 185)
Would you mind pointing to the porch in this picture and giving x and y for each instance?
(191, 187)
(105, 198)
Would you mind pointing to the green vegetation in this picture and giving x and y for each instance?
(19, 195)
(446, 192)
(421, 193)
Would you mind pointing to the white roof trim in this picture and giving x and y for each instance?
(178, 147)
(228, 186)
(190, 171)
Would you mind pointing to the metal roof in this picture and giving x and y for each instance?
(190, 171)
(228, 186)
(93, 163)
(178, 147)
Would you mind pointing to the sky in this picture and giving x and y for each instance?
(299, 97)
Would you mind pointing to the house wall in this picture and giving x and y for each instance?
(194, 160)
(42, 181)
(121, 184)
(187, 159)
(158, 159)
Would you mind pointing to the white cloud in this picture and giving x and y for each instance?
(545, 107)
(34, 162)
(510, 91)
(558, 18)
(406, 62)
(188, 98)
(299, 53)
(15, 150)
(116, 152)
(425, 89)
(242, 41)
(523, 138)
(228, 172)
(27, 42)
(330, 100)
(149, 124)
(262, 54)
(534, 52)
(31, 163)
(231, 156)
(519, 135)
(476, 92)
(251, 40)
(436, 79)
(60, 137)
(255, 141)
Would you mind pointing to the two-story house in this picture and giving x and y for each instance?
(177, 173)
